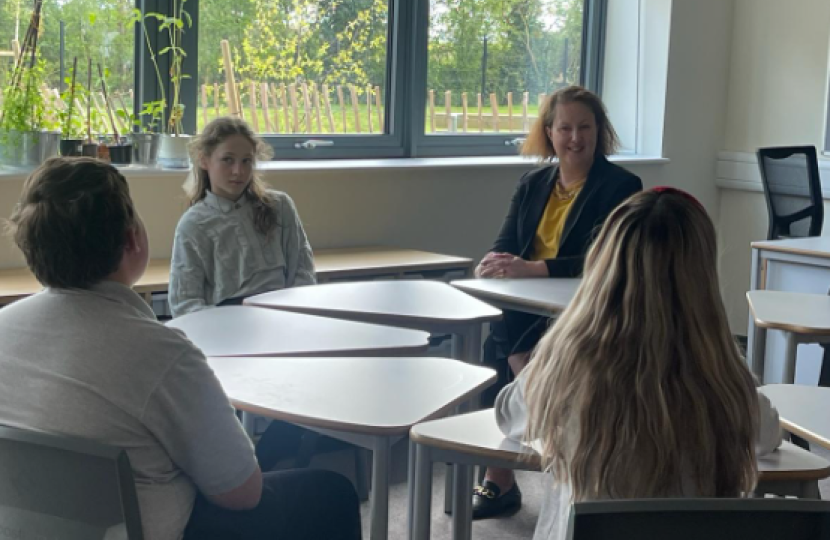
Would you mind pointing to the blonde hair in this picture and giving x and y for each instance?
(644, 366)
(198, 182)
(537, 143)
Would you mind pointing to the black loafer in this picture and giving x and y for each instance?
(489, 501)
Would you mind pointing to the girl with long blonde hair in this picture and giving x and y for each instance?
(238, 238)
(639, 389)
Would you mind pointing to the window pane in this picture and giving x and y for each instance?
(98, 30)
(491, 62)
(300, 66)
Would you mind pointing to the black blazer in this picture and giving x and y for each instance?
(606, 187)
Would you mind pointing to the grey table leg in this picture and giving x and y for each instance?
(757, 358)
(361, 472)
(791, 346)
(422, 505)
(459, 343)
(380, 488)
(248, 423)
(462, 512)
(410, 486)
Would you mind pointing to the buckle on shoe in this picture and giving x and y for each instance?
(484, 492)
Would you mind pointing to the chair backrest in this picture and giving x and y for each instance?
(53, 486)
(792, 188)
(694, 519)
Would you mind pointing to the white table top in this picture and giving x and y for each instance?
(251, 331)
(804, 410)
(477, 433)
(409, 303)
(543, 296)
(816, 246)
(794, 312)
(382, 396)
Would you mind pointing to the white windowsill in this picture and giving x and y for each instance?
(8, 173)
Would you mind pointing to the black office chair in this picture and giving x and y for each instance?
(792, 189)
(53, 486)
(699, 519)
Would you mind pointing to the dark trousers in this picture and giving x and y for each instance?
(295, 505)
(517, 332)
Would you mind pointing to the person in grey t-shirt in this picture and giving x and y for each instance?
(86, 357)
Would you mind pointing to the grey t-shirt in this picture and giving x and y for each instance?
(96, 364)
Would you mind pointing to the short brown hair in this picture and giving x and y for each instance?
(71, 221)
(538, 143)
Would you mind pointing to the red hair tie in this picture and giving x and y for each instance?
(686, 195)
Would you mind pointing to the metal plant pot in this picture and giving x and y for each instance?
(28, 148)
(145, 148)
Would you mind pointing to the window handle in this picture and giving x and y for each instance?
(311, 144)
(518, 141)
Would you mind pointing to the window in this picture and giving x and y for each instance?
(491, 63)
(99, 31)
(380, 78)
(335, 78)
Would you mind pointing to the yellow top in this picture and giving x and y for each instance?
(549, 232)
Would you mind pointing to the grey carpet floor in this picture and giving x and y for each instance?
(517, 526)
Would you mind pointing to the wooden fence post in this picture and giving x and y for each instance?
(204, 104)
(379, 109)
(369, 108)
(316, 101)
(216, 99)
(510, 111)
(307, 108)
(342, 103)
(494, 107)
(353, 92)
(286, 115)
(252, 104)
(233, 101)
(292, 91)
(464, 111)
(266, 113)
(432, 111)
(525, 123)
(448, 109)
(276, 99)
(480, 116)
(327, 104)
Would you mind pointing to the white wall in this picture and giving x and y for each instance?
(777, 96)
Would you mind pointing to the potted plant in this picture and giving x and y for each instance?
(71, 122)
(120, 152)
(145, 138)
(23, 113)
(90, 146)
(173, 144)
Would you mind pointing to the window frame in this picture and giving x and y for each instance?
(406, 83)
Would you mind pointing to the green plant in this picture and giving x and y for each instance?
(71, 117)
(24, 108)
(174, 27)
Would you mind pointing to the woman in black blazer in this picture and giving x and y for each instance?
(553, 216)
